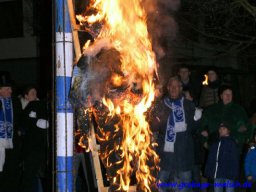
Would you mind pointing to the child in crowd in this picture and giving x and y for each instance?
(250, 164)
(223, 161)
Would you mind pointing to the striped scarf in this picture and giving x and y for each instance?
(6, 122)
(6, 128)
(176, 122)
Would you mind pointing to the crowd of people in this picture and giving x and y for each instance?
(203, 137)
(23, 138)
(205, 140)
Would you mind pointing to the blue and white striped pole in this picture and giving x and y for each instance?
(64, 118)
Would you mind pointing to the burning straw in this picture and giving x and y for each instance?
(117, 84)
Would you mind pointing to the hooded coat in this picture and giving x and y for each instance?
(223, 160)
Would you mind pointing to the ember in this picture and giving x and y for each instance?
(116, 85)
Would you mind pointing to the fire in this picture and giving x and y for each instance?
(205, 82)
(116, 80)
(126, 30)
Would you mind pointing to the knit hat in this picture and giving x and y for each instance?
(224, 124)
(5, 79)
(224, 88)
(212, 68)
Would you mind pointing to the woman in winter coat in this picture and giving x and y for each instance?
(35, 124)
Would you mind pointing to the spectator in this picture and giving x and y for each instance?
(10, 141)
(209, 94)
(174, 117)
(35, 140)
(230, 112)
(250, 164)
(188, 85)
(29, 94)
(223, 161)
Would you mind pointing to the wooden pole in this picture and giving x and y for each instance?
(96, 160)
(75, 28)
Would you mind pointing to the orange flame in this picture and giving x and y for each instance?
(116, 80)
(126, 29)
(205, 82)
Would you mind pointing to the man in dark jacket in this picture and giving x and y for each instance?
(10, 140)
(223, 161)
(174, 119)
(188, 84)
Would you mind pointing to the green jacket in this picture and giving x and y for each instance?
(231, 113)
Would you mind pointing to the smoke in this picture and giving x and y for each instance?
(163, 30)
(173, 5)
(96, 47)
(161, 24)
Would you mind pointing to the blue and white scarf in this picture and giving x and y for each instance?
(6, 128)
(176, 122)
(6, 123)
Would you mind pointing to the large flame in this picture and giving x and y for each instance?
(126, 29)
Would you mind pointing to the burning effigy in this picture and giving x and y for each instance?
(115, 87)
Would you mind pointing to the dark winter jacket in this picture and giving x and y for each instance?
(182, 159)
(250, 163)
(223, 160)
(35, 139)
(231, 113)
(194, 89)
(35, 143)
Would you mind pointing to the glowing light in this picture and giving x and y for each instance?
(205, 82)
